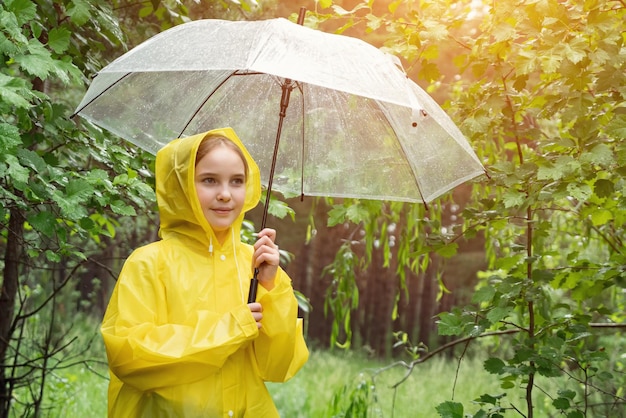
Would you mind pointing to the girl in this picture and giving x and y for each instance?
(181, 340)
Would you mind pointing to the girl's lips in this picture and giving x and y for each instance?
(222, 211)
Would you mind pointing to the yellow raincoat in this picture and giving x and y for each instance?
(180, 339)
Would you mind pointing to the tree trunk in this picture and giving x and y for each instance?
(8, 293)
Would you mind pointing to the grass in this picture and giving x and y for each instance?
(311, 391)
(81, 392)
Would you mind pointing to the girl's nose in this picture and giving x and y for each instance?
(224, 193)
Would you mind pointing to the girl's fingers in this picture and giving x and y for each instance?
(265, 251)
(265, 235)
(265, 241)
(256, 309)
(266, 257)
(270, 257)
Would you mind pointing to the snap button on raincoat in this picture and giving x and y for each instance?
(179, 337)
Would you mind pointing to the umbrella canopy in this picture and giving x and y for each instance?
(354, 124)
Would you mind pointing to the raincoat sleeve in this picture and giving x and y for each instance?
(147, 352)
(280, 348)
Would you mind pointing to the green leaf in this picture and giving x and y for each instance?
(603, 188)
(337, 215)
(617, 127)
(37, 62)
(24, 10)
(429, 72)
(15, 92)
(434, 31)
(122, 208)
(16, 171)
(59, 39)
(87, 224)
(487, 399)
(601, 155)
(31, 159)
(450, 409)
(357, 213)
(523, 354)
(79, 12)
(448, 250)
(549, 173)
(78, 190)
(393, 6)
(36, 28)
(52, 256)
(513, 198)
(576, 49)
(66, 71)
(9, 138)
(566, 393)
(44, 222)
(561, 403)
(497, 314)
(450, 324)
(73, 200)
(550, 63)
(601, 217)
(484, 294)
(494, 365)
(280, 209)
(579, 191)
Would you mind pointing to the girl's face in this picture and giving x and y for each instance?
(221, 187)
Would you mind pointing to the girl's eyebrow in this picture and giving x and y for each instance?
(205, 173)
(210, 173)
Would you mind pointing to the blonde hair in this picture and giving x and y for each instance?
(210, 142)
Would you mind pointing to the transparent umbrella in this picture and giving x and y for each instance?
(322, 114)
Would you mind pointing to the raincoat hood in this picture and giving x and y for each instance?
(179, 207)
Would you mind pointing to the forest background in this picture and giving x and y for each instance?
(528, 264)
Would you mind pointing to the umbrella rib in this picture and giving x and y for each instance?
(98, 95)
(206, 99)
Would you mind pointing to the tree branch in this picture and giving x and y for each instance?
(411, 365)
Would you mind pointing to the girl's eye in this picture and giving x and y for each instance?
(239, 181)
(208, 180)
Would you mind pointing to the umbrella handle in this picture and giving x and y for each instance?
(254, 284)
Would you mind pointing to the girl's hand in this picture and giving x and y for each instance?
(256, 310)
(266, 257)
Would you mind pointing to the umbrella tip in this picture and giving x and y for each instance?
(301, 15)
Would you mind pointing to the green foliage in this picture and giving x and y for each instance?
(79, 369)
(66, 187)
(342, 296)
(63, 187)
(61, 177)
(538, 88)
(352, 400)
(80, 390)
